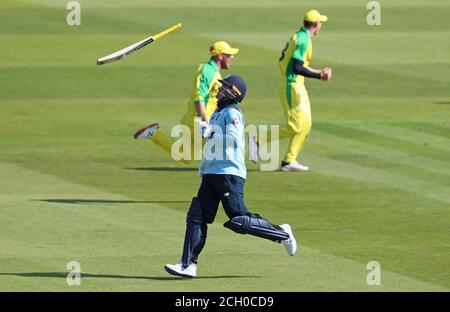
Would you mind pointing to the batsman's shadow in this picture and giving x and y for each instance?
(171, 169)
(78, 201)
(114, 276)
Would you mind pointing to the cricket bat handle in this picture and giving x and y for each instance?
(166, 32)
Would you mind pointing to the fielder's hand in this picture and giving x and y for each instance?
(326, 73)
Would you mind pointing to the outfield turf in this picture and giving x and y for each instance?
(74, 185)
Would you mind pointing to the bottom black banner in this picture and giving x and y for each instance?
(232, 301)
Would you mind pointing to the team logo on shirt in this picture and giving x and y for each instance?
(235, 121)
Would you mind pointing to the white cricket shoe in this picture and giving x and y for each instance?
(147, 131)
(178, 270)
(253, 149)
(289, 244)
(294, 166)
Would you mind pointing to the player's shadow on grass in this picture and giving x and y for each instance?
(172, 169)
(442, 102)
(77, 201)
(87, 275)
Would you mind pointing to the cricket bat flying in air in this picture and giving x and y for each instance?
(135, 46)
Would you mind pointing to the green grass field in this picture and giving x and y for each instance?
(74, 185)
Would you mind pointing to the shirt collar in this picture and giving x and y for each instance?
(213, 63)
(304, 29)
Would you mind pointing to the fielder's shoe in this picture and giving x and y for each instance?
(147, 131)
(178, 270)
(253, 149)
(289, 244)
(293, 166)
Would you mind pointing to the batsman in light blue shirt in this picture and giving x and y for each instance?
(224, 150)
(223, 176)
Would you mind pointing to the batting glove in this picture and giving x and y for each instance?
(205, 129)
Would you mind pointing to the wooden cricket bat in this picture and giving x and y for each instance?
(135, 46)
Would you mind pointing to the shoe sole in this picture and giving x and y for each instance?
(139, 132)
(170, 271)
(294, 170)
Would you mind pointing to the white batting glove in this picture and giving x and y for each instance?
(205, 129)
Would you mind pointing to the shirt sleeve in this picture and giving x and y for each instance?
(300, 69)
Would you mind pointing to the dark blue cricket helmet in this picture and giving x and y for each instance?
(237, 84)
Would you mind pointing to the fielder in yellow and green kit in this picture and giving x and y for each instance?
(202, 103)
(294, 65)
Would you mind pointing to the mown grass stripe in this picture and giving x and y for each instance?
(428, 127)
(340, 168)
(362, 135)
(403, 134)
(379, 153)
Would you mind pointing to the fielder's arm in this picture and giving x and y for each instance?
(201, 92)
(302, 70)
(200, 109)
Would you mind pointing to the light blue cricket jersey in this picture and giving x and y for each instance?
(224, 153)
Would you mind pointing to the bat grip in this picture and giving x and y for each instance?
(167, 31)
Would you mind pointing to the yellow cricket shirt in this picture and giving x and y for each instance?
(299, 47)
(204, 91)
